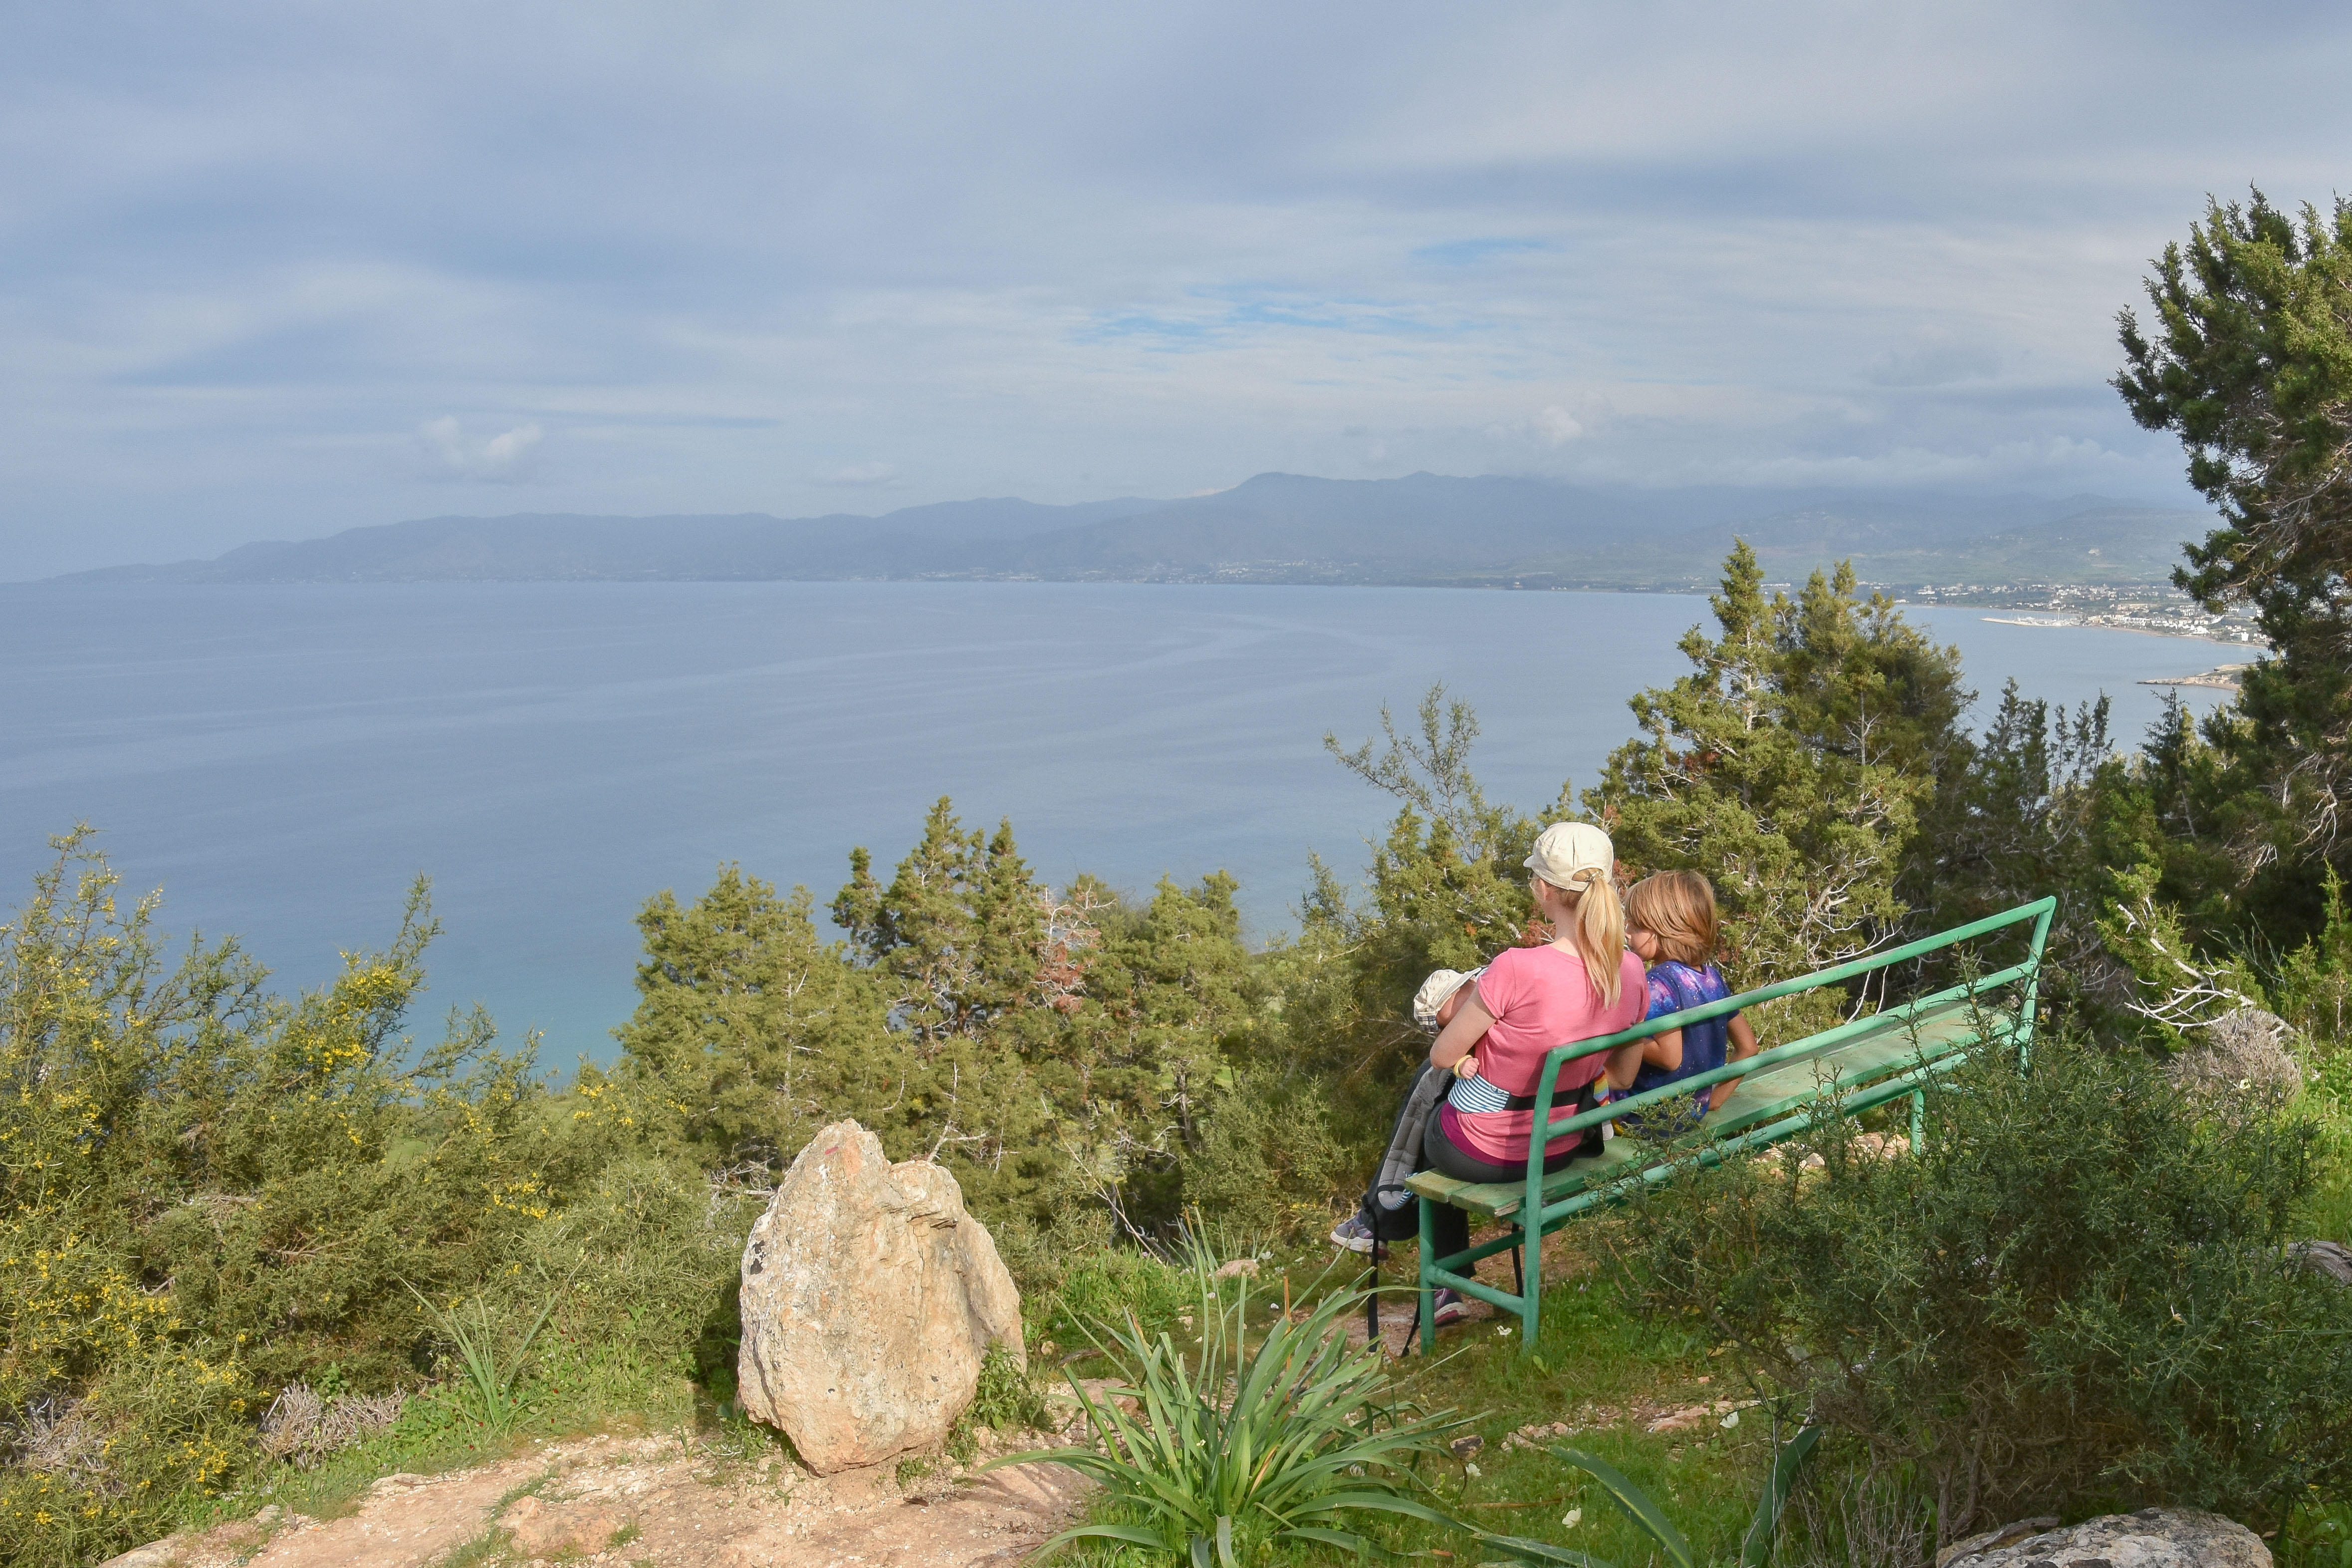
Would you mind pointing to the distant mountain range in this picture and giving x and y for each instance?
(1427, 529)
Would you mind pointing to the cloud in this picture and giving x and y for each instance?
(1069, 252)
(1934, 358)
(1552, 426)
(503, 459)
(1555, 427)
(857, 476)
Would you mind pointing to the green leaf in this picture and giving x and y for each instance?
(1525, 1551)
(1757, 1550)
(1636, 1504)
(1339, 1538)
(1133, 1535)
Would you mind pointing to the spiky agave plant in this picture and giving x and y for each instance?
(1288, 1440)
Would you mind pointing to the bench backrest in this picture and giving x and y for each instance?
(2026, 974)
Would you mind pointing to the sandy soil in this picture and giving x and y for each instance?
(653, 1503)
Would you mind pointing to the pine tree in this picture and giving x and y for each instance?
(749, 1032)
(2249, 363)
(1791, 766)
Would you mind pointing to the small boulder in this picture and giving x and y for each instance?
(2244, 1052)
(869, 1299)
(2329, 1259)
(2152, 1538)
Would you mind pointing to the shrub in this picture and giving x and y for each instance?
(209, 1192)
(1266, 1161)
(1116, 1283)
(2075, 1297)
(646, 1254)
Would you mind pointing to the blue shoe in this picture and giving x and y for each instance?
(1448, 1307)
(1353, 1234)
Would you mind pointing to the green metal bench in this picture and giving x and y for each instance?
(1867, 1062)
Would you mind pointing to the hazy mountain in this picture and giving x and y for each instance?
(1286, 524)
(537, 546)
(1276, 528)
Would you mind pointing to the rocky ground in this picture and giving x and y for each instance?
(652, 1502)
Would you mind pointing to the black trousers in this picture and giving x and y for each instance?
(1449, 1226)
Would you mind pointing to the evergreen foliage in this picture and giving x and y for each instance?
(1791, 767)
(208, 1191)
(2249, 363)
(750, 1031)
(2074, 1296)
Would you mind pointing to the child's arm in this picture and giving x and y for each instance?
(1664, 1051)
(1743, 1045)
(1466, 1029)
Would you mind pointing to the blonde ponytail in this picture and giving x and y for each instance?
(1600, 933)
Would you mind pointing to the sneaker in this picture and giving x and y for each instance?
(1449, 1308)
(1353, 1234)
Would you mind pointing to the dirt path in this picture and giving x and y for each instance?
(652, 1502)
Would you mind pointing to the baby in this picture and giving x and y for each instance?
(1439, 999)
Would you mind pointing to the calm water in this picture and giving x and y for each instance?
(282, 761)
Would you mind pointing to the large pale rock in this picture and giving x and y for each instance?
(2152, 1538)
(870, 1297)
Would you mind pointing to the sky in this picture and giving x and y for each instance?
(272, 270)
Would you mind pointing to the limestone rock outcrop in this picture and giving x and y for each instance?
(2152, 1538)
(870, 1297)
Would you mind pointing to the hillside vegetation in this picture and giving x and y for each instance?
(215, 1192)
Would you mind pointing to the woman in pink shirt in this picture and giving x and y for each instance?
(1581, 985)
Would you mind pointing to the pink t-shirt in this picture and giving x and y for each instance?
(1540, 997)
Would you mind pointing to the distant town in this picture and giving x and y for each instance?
(2157, 608)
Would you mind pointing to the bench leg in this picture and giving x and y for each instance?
(1531, 1289)
(1428, 1307)
(1519, 1281)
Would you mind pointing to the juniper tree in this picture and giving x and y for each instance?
(1789, 766)
(750, 1031)
(2248, 361)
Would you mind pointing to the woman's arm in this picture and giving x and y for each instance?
(1466, 1029)
(1743, 1045)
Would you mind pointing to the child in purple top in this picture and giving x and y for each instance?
(1670, 921)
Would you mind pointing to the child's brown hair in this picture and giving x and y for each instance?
(1677, 907)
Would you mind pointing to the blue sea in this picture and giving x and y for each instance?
(283, 761)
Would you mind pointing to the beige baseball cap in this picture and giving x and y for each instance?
(1572, 856)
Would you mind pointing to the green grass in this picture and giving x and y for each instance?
(2328, 1103)
(2318, 1534)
